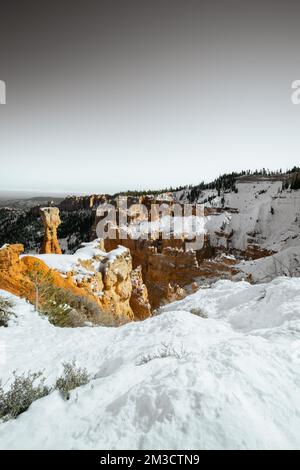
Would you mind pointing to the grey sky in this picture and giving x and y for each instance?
(140, 95)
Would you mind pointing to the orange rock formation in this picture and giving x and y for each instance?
(51, 220)
(14, 273)
(115, 288)
(139, 301)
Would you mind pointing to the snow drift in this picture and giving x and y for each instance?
(226, 376)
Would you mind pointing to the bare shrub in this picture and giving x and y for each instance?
(72, 378)
(38, 284)
(166, 350)
(91, 311)
(6, 311)
(29, 387)
(57, 307)
(22, 393)
(66, 309)
(199, 312)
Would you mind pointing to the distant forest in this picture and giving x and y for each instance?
(224, 182)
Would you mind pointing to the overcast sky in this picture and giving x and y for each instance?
(107, 96)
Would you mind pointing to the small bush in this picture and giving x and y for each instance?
(21, 394)
(65, 309)
(199, 312)
(167, 350)
(57, 306)
(5, 311)
(90, 311)
(72, 377)
(24, 390)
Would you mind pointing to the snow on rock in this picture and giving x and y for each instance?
(182, 226)
(260, 210)
(177, 226)
(229, 381)
(89, 251)
(65, 263)
(265, 212)
(106, 276)
(284, 263)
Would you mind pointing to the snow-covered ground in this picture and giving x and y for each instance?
(284, 263)
(232, 380)
(269, 216)
(264, 212)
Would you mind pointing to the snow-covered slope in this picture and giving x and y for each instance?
(229, 381)
(266, 214)
(284, 263)
(263, 214)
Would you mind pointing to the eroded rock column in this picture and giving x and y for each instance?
(51, 220)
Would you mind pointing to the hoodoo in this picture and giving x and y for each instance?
(51, 220)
